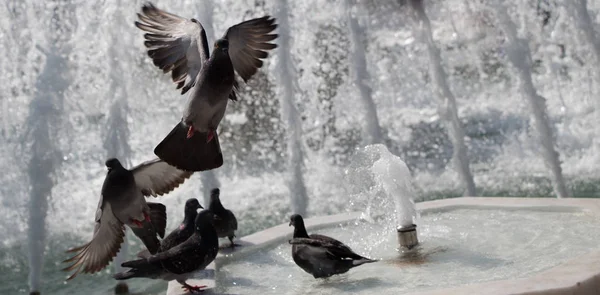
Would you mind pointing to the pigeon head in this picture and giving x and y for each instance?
(214, 194)
(113, 163)
(222, 44)
(204, 220)
(296, 220)
(192, 205)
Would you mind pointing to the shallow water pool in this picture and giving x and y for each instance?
(457, 247)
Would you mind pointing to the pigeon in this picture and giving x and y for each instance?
(319, 255)
(179, 262)
(180, 46)
(182, 232)
(185, 229)
(122, 203)
(225, 222)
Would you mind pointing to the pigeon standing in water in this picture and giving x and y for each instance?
(180, 46)
(179, 262)
(321, 256)
(225, 222)
(123, 202)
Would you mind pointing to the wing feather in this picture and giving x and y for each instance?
(331, 245)
(175, 44)
(156, 177)
(94, 256)
(247, 44)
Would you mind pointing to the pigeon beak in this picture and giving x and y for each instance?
(291, 222)
(199, 207)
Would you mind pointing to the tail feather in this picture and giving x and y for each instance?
(190, 154)
(138, 263)
(158, 217)
(151, 242)
(124, 275)
(362, 261)
(140, 269)
(148, 236)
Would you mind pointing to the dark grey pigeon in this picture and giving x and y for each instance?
(185, 229)
(182, 232)
(321, 256)
(180, 46)
(179, 262)
(225, 222)
(123, 202)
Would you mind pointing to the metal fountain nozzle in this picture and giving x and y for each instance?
(407, 236)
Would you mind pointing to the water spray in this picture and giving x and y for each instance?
(393, 176)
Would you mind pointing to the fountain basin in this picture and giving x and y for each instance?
(549, 247)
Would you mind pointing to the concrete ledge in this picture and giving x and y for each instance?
(579, 276)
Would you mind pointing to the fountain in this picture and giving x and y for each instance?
(528, 244)
(393, 176)
(63, 72)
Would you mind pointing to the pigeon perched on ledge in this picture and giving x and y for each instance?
(319, 255)
(185, 229)
(180, 46)
(123, 202)
(181, 261)
(182, 232)
(225, 222)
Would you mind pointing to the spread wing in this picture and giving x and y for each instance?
(175, 44)
(94, 256)
(156, 177)
(248, 43)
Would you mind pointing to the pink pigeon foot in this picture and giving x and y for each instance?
(193, 289)
(210, 136)
(137, 223)
(190, 132)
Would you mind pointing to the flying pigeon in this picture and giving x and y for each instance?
(122, 203)
(320, 255)
(179, 262)
(180, 46)
(225, 222)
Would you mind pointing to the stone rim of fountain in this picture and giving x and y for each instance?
(578, 275)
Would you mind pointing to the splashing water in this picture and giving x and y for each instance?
(393, 176)
(381, 185)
